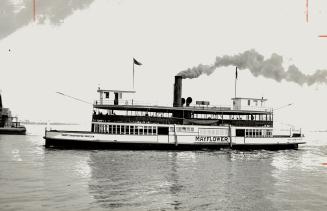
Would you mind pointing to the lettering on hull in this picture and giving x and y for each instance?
(80, 136)
(220, 139)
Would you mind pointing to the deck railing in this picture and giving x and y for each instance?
(127, 102)
(172, 120)
(254, 108)
(156, 103)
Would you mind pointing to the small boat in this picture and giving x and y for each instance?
(119, 123)
(8, 123)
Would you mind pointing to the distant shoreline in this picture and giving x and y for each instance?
(44, 123)
(319, 131)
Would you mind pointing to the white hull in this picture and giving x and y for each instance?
(173, 139)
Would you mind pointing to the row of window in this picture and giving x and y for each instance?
(234, 117)
(134, 129)
(213, 132)
(253, 132)
(133, 113)
(258, 133)
(125, 129)
(181, 129)
(260, 117)
(153, 130)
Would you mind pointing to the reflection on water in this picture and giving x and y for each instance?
(66, 175)
(181, 180)
(35, 178)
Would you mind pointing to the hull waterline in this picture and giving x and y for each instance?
(13, 131)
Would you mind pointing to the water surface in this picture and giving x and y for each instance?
(35, 178)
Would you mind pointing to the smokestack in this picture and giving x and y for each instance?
(178, 91)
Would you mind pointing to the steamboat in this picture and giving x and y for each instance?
(118, 123)
(8, 123)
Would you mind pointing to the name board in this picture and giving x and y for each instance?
(80, 136)
(211, 139)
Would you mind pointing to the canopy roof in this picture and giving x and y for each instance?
(116, 91)
(249, 98)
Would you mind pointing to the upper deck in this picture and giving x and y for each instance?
(240, 105)
(113, 99)
(124, 110)
(130, 105)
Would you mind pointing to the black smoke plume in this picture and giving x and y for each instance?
(259, 66)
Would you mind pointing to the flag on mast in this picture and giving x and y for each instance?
(136, 62)
(236, 74)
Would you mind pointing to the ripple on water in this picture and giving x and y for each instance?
(36, 178)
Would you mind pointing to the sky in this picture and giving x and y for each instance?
(77, 45)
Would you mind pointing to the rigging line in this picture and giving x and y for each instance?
(284, 106)
(74, 98)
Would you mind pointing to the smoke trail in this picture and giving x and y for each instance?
(15, 14)
(270, 68)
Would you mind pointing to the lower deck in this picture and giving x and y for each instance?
(77, 144)
(145, 136)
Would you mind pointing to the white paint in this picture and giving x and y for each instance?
(182, 138)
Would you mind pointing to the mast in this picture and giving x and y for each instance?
(34, 10)
(235, 80)
(0, 102)
(133, 73)
(137, 63)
